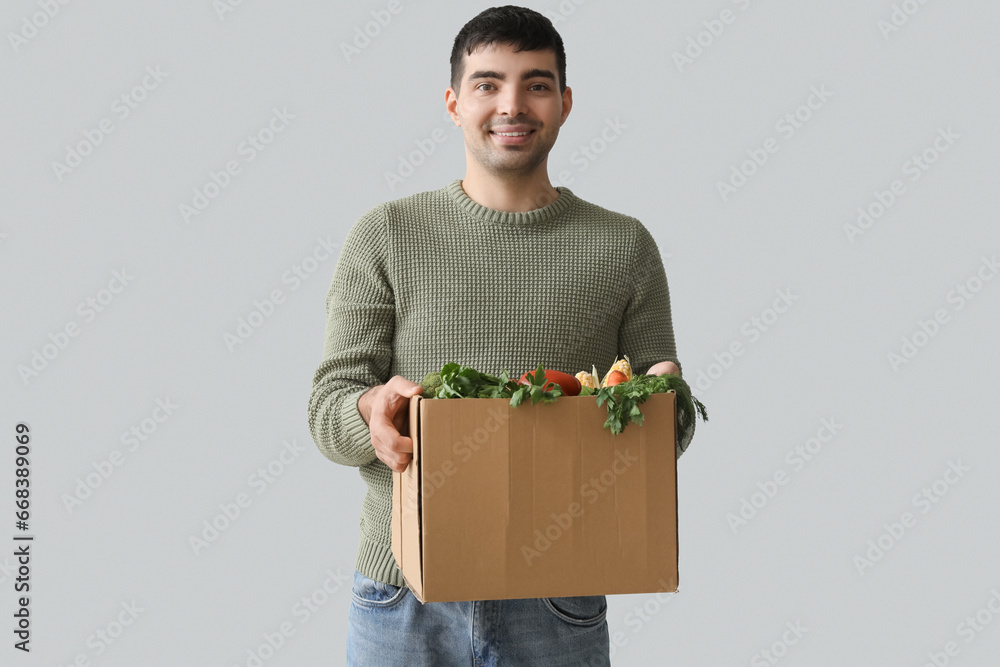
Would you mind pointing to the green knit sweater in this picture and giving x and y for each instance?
(435, 277)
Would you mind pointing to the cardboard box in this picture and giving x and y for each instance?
(536, 501)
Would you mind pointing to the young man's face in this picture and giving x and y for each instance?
(496, 97)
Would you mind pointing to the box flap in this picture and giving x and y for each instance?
(406, 522)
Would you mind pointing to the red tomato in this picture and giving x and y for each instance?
(569, 384)
(615, 377)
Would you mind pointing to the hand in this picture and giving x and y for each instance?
(664, 368)
(386, 409)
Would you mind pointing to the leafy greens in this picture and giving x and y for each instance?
(457, 381)
(622, 400)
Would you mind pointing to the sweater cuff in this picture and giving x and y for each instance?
(356, 432)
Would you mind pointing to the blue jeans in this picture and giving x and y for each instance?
(388, 627)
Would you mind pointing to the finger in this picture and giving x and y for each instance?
(400, 385)
(388, 437)
(399, 408)
(663, 368)
(396, 405)
(395, 463)
(399, 463)
(385, 416)
(389, 423)
(402, 422)
(403, 444)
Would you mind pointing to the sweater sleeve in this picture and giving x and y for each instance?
(357, 347)
(647, 334)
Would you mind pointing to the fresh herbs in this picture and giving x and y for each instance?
(622, 400)
(457, 381)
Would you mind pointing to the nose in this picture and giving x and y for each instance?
(512, 101)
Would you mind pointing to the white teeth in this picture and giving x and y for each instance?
(511, 134)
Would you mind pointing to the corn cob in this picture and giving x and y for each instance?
(621, 365)
(589, 379)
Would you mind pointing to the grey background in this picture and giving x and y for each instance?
(162, 337)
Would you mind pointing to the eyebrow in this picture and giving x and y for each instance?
(529, 74)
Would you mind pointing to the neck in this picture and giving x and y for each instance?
(512, 194)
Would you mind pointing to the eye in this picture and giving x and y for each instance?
(542, 85)
(479, 87)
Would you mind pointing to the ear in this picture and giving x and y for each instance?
(567, 104)
(451, 105)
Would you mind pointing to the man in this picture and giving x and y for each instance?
(499, 270)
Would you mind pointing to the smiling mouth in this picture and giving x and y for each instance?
(507, 134)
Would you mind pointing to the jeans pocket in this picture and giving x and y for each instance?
(373, 594)
(583, 610)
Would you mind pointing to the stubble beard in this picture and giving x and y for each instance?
(521, 161)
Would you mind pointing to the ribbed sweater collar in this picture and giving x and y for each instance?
(561, 204)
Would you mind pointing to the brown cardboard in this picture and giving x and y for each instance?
(485, 477)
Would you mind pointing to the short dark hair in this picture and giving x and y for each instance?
(523, 28)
